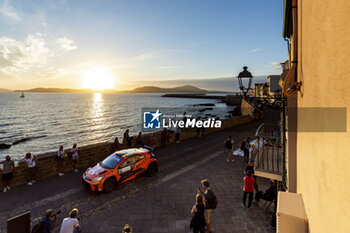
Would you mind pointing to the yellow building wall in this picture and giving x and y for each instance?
(323, 158)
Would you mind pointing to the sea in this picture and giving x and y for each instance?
(40, 122)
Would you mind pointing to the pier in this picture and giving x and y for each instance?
(228, 99)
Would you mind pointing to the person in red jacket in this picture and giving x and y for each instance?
(248, 189)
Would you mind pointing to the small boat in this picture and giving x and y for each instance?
(22, 96)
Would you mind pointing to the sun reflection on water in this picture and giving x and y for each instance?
(97, 111)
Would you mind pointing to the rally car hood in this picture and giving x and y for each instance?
(95, 171)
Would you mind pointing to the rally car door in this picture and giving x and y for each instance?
(126, 168)
(140, 164)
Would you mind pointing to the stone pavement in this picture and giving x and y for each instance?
(166, 207)
(152, 204)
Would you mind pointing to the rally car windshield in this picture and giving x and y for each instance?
(111, 162)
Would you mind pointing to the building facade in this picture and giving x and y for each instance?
(317, 114)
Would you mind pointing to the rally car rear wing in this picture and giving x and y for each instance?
(148, 149)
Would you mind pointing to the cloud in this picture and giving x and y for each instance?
(8, 11)
(19, 56)
(33, 53)
(276, 66)
(66, 44)
(255, 50)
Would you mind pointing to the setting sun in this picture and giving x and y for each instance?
(98, 79)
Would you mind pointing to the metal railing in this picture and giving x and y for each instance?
(267, 149)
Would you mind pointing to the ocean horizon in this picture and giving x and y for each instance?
(40, 122)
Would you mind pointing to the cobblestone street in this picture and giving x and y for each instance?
(166, 208)
(153, 204)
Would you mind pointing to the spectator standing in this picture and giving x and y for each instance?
(127, 229)
(202, 132)
(198, 130)
(116, 144)
(71, 224)
(75, 156)
(139, 141)
(49, 221)
(177, 135)
(168, 137)
(228, 143)
(184, 117)
(268, 195)
(32, 168)
(248, 189)
(250, 167)
(163, 138)
(60, 158)
(208, 197)
(245, 147)
(151, 140)
(7, 173)
(198, 220)
(126, 139)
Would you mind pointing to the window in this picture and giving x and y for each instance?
(110, 162)
(128, 162)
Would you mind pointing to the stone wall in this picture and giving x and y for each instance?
(246, 108)
(90, 155)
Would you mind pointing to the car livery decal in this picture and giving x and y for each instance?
(124, 170)
(142, 162)
(95, 170)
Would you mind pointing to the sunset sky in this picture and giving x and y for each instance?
(115, 44)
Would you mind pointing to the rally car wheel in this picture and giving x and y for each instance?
(151, 171)
(109, 185)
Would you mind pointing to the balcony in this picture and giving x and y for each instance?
(267, 152)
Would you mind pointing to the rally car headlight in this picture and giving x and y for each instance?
(97, 179)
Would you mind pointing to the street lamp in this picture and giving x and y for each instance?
(245, 74)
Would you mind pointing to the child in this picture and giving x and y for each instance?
(248, 189)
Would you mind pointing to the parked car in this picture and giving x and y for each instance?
(120, 167)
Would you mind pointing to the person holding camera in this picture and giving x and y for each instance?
(71, 224)
(49, 221)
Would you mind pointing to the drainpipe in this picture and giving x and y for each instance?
(284, 141)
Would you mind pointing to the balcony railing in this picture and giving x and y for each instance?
(267, 151)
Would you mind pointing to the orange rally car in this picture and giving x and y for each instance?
(119, 167)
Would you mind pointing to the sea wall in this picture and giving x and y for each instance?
(91, 154)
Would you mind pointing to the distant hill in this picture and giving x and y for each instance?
(180, 89)
(224, 84)
(5, 90)
(145, 89)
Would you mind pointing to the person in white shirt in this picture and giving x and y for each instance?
(71, 224)
(32, 168)
(75, 156)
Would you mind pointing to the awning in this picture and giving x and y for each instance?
(287, 19)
